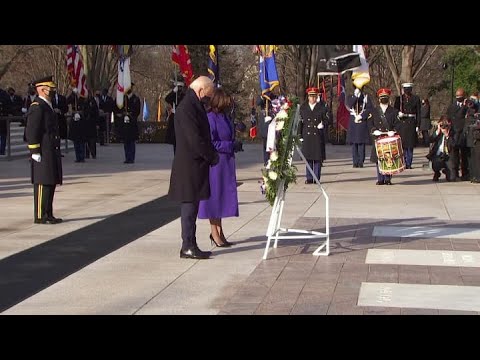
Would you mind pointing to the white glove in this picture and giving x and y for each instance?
(126, 119)
(357, 92)
(74, 90)
(301, 139)
(400, 114)
(320, 126)
(416, 129)
(76, 116)
(24, 110)
(391, 133)
(377, 133)
(175, 89)
(358, 119)
(37, 157)
(268, 118)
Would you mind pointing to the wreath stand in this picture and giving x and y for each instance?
(275, 231)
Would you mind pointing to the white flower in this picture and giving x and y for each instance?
(272, 175)
(268, 118)
(279, 125)
(265, 179)
(273, 156)
(282, 114)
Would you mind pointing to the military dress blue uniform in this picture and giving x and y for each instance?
(357, 133)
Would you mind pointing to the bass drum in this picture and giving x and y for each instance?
(390, 155)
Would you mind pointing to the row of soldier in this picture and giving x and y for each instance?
(84, 120)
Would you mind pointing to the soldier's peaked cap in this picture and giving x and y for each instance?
(407, 84)
(45, 81)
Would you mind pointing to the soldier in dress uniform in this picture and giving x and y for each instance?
(44, 144)
(360, 107)
(380, 124)
(78, 124)
(105, 106)
(313, 120)
(409, 116)
(126, 120)
(60, 106)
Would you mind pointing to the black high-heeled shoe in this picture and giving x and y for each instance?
(226, 241)
(212, 240)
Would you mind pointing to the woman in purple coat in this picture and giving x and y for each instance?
(223, 201)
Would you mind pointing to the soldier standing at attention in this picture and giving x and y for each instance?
(311, 129)
(43, 140)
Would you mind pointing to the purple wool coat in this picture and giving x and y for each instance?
(223, 201)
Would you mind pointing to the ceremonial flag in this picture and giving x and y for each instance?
(267, 69)
(213, 72)
(343, 114)
(124, 82)
(146, 112)
(75, 70)
(361, 75)
(181, 57)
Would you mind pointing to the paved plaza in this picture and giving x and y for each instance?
(410, 248)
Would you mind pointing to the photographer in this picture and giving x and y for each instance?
(442, 154)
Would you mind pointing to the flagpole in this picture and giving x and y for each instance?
(218, 66)
(143, 109)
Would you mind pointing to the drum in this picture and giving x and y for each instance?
(390, 155)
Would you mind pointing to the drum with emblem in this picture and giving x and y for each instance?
(390, 155)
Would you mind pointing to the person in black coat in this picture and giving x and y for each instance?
(408, 122)
(360, 107)
(381, 124)
(442, 153)
(60, 106)
(43, 140)
(4, 103)
(173, 99)
(91, 120)
(105, 108)
(77, 130)
(457, 113)
(313, 121)
(425, 122)
(126, 123)
(189, 179)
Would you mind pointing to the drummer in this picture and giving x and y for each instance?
(381, 124)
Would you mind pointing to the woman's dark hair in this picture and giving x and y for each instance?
(220, 102)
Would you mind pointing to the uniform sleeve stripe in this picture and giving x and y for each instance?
(34, 146)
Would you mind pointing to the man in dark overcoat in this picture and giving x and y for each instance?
(409, 109)
(43, 140)
(189, 180)
(313, 122)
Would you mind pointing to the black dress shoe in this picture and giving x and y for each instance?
(308, 181)
(388, 182)
(223, 244)
(380, 183)
(194, 253)
(48, 220)
(54, 219)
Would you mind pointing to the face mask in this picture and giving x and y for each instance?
(205, 100)
(408, 91)
(52, 93)
(460, 98)
(32, 92)
(384, 100)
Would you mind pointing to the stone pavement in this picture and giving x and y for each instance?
(117, 251)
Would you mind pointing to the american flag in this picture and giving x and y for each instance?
(75, 70)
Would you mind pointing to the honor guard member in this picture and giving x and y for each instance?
(360, 107)
(409, 116)
(126, 120)
(44, 144)
(381, 124)
(313, 120)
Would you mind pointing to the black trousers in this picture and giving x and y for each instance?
(43, 200)
(129, 148)
(91, 148)
(449, 166)
(189, 212)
